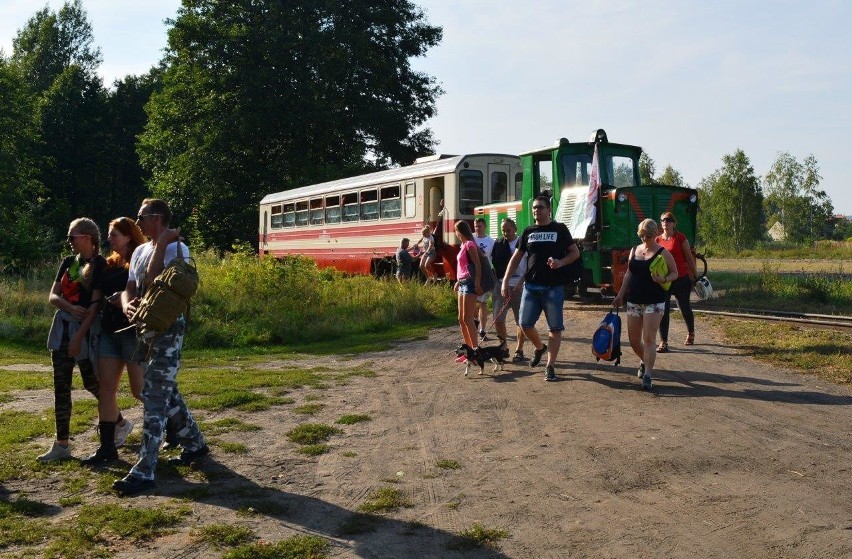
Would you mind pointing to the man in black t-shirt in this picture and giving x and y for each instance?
(549, 247)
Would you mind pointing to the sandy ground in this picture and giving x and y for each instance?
(726, 458)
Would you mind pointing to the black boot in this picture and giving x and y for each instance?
(107, 451)
(171, 436)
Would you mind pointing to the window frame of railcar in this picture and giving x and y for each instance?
(276, 219)
(333, 210)
(351, 211)
(316, 211)
(369, 199)
(302, 213)
(519, 185)
(465, 190)
(612, 164)
(289, 215)
(495, 182)
(410, 199)
(390, 202)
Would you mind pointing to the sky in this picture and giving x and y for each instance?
(689, 81)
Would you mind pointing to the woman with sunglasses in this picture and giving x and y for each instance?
(677, 244)
(117, 342)
(76, 295)
(646, 297)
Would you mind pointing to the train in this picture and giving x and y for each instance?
(356, 224)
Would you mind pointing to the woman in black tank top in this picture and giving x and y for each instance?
(646, 297)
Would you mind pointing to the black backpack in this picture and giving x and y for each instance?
(487, 278)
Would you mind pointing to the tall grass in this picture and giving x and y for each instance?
(819, 250)
(244, 301)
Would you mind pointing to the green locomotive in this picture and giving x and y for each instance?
(595, 189)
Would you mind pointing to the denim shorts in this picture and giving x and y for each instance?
(637, 310)
(467, 287)
(118, 346)
(543, 298)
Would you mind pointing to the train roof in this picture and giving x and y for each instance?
(425, 167)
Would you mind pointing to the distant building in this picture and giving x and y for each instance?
(776, 232)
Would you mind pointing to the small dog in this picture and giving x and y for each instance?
(478, 356)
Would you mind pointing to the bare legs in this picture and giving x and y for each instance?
(467, 311)
(642, 332)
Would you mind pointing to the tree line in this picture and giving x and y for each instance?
(250, 97)
(259, 96)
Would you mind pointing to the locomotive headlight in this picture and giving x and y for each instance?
(693, 198)
(622, 197)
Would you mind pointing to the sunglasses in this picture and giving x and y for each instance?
(668, 219)
(141, 217)
(539, 207)
(71, 237)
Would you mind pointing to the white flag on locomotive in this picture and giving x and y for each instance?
(584, 211)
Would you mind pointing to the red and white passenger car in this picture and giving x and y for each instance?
(356, 224)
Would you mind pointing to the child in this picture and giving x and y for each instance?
(403, 261)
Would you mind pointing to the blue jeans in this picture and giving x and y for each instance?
(537, 298)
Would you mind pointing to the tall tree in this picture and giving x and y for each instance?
(795, 199)
(647, 169)
(671, 176)
(732, 205)
(260, 96)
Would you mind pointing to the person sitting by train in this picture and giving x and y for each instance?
(404, 261)
(467, 286)
(428, 253)
(504, 247)
(676, 243)
(646, 297)
(486, 244)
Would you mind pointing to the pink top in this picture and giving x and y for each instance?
(461, 268)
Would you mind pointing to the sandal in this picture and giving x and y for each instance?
(663, 347)
(690, 339)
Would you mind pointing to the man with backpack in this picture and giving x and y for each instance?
(549, 247)
(161, 355)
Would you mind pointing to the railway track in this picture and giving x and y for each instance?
(835, 322)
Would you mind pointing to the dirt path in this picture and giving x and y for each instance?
(727, 458)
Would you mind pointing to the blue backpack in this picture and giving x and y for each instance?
(606, 343)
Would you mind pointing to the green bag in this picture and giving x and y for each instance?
(167, 297)
(661, 268)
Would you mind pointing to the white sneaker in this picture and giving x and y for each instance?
(121, 432)
(56, 452)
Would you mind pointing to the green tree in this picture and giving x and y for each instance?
(795, 199)
(731, 209)
(647, 169)
(261, 96)
(671, 176)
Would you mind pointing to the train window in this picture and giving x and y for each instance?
(350, 207)
(410, 194)
(277, 217)
(519, 186)
(576, 168)
(621, 170)
(499, 190)
(302, 213)
(289, 215)
(316, 211)
(470, 191)
(369, 205)
(332, 209)
(390, 205)
(544, 176)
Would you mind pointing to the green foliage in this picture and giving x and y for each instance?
(794, 198)
(731, 207)
(352, 419)
(261, 96)
(225, 535)
(478, 536)
(448, 464)
(383, 500)
(295, 547)
(312, 433)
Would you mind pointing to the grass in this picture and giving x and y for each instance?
(351, 419)
(225, 535)
(478, 536)
(312, 433)
(829, 251)
(309, 409)
(383, 500)
(448, 464)
(314, 449)
(824, 353)
(295, 547)
(360, 523)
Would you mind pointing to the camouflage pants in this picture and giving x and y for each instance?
(63, 369)
(162, 402)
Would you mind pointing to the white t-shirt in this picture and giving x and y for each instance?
(486, 243)
(142, 255)
(521, 270)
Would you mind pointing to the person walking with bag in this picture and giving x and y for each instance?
(677, 244)
(504, 248)
(646, 298)
(161, 397)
